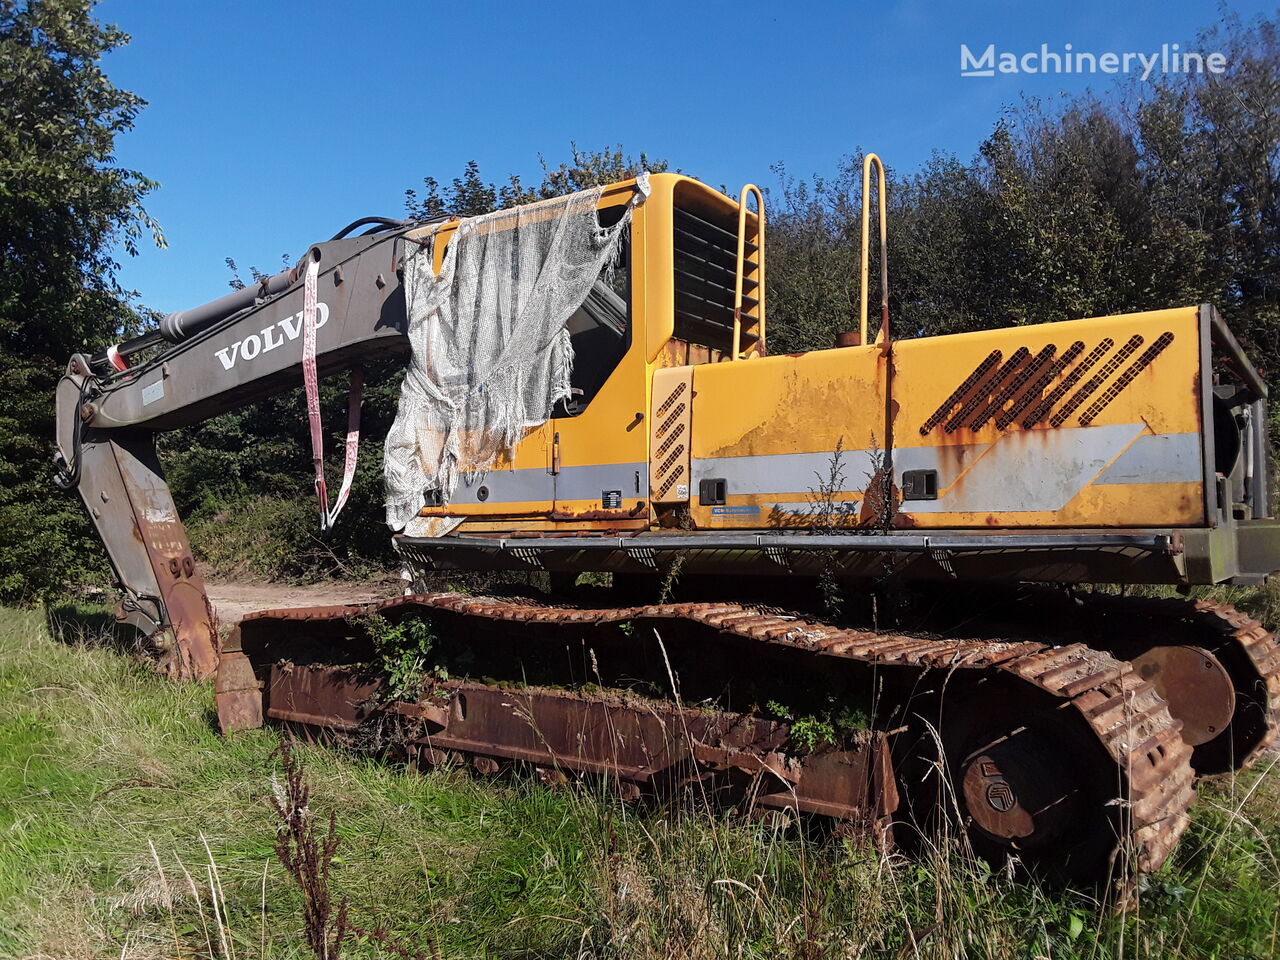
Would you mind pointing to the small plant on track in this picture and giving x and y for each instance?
(404, 650)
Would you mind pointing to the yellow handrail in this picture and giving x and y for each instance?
(738, 278)
(866, 244)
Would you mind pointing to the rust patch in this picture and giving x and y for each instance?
(639, 509)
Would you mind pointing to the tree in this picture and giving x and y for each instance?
(64, 205)
(1160, 195)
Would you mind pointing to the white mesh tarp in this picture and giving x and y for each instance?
(491, 355)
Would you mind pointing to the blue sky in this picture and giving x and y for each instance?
(272, 125)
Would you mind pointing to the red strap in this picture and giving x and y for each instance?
(312, 386)
(114, 358)
(353, 441)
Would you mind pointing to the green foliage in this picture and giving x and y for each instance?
(64, 203)
(836, 721)
(811, 733)
(404, 650)
(269, 538)
(246, 476)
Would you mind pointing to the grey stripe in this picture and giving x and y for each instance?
(1027, 470)
(783, 472)
(587, 483)
(1162, 458)
(572, 483)
(507, 486)
(1039, 470)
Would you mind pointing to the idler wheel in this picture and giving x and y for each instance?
(1196, 684)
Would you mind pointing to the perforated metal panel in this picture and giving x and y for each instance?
(669, 435)
(1016, 388)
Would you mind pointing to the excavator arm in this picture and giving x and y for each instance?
(197, 364)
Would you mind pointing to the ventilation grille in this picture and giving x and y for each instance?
(706, 254)
(1013, 390)
(681, 387)
(669, 439)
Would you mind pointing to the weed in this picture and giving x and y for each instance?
(404, 650)
(308, 858)
(828, 516)
(836, 722)
(670, 577)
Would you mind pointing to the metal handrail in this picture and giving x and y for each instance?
(866, 245)
(738, 272)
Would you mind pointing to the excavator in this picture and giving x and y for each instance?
(705, 490)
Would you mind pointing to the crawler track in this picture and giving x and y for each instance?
(1218, 668)
(1247, 654)
(1063, 756)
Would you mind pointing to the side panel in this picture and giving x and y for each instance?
(770, 429)
(1090, 423)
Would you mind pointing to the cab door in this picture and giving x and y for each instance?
(600, 442)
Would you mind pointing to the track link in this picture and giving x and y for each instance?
(1260, 646)
(1151, 781)
(1245, 653)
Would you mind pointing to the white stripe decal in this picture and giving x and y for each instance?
(1032, 471)
(1158, 458)
(1037, 470)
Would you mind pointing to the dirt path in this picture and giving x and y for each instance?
(231, 601)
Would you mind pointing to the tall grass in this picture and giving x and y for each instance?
(129, 828)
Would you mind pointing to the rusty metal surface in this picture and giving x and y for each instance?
(1136, 627)
(645, 745)
(334, 697)
(123, 487)
(1259, 645)
(1198, 687)
(237, 693)
(1128, 723)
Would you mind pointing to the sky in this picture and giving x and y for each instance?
(269, 126)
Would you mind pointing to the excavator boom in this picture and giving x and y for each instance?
(231, 352)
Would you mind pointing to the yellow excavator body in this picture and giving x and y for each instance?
(1092, 423)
